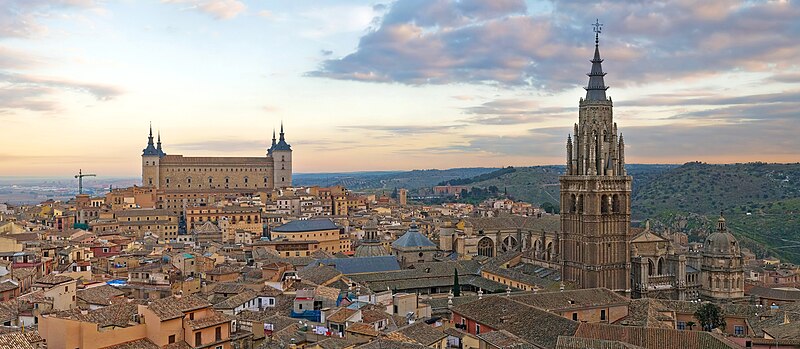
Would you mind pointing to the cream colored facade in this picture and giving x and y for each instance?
(177, 173)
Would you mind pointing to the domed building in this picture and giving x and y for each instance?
(413, 247)
(371, 245)
(722, 273)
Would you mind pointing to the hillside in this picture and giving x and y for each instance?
(387, 180)
(761, 201)
(539, 184)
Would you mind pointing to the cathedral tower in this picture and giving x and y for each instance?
(596, 193)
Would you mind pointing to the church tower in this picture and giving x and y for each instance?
(150, 162)
(596, 193)
(281, 153)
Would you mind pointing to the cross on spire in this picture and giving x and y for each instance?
(598, 28)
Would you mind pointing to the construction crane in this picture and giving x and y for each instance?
(80, 176)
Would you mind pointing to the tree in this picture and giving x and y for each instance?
(548, 207)
(456, 286)
(691, 325)
(710, 316)
(394, 193)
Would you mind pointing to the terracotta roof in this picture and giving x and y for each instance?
(572, 299)
(422, 333)
(339, 343)
(655, 338)
(216, 318)
(19, 340)
(504, 340)
(318, 274)
(53, 279)
(362, 328)
(342, 315)
(117, 315)
(174, 307)
(589, 343)
(8, 286)
(532, 325)
(100, 295)
(647, 312)
(391, 344)
(236, 300)
(143, 343)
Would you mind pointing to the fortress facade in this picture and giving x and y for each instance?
(178, 173)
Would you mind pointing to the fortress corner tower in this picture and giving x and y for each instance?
(596, 193)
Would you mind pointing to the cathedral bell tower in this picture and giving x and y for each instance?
(596, 193)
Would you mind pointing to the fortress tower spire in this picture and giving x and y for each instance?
(150, 149)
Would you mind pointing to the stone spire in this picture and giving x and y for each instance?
(281, 145)
(596, 89)
(151, 149)
(269, 150)
(158, 145)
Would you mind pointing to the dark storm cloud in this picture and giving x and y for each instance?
(502, 42)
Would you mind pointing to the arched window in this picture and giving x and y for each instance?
(651, 268)
(660, 266)
(615, 203)
(580, 204)
(549, 251)
(509, 244)
(573, 204)
(486, 247)
(604, 204)
(246, 179)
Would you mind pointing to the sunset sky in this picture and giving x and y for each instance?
(404, 84)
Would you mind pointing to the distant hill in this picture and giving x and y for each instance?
(388, 180)
(539, 184)
(761, 201)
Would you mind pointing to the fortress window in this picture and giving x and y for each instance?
(283, 157)
(210, 180)
(167, 180)
(245, 179)
(189, 180)
(266, 179)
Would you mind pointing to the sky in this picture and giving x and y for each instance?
(391, 85)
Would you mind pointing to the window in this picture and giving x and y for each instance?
(477, 329)
(681, 325)
(602, 314)
(218, 333)
(575, 316)
(171, 339)
(191, 316)
(198, 338)
(738, 330)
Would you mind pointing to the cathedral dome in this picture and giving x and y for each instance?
(721, 242)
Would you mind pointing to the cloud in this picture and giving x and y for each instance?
(20, 18)
(219, 9)
(503, 43)
(404, 130)
(513, 112)
(323, 22)
(34, 93)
